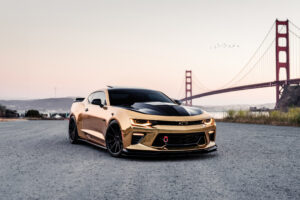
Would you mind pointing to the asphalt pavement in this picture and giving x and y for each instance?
(252, 162)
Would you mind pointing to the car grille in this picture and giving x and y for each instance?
(180, 139)
(177, 123)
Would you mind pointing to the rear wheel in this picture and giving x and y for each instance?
(113, 139)
(73, 134)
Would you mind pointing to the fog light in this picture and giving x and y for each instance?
(212, 135)
(137, 137)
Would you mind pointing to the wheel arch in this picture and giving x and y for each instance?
(110, 121)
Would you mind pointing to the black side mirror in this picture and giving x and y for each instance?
(97, 102)
(177, 101)
(79, 99)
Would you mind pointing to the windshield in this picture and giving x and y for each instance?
(127, 97)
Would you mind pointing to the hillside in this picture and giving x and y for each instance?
(43, 105)
(64, 104)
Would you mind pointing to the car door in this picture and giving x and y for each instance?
(94, 122)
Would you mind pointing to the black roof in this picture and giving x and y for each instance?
(128, 88)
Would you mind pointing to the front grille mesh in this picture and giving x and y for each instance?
(179, 139)
(177, 123)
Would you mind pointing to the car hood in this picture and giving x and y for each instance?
(164, 109)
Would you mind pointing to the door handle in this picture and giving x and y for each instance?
(86, 109)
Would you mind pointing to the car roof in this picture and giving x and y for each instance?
(127, 88)
(111, 88)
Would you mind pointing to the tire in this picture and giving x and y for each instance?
(73, 133)
(113, 139)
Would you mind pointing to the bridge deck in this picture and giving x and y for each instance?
(243, 87)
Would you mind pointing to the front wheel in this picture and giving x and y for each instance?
(113, 139)
(73, 134)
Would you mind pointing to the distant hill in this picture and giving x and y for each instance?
(43, 105)
(52, 105)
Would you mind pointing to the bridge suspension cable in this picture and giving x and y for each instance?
(180, 92)
(251, 58)
(295, 44)
(294, 25)
(258, 61)
(199, 84)
(292, 32)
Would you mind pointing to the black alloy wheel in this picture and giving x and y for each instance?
(73, 134)
(113, 139)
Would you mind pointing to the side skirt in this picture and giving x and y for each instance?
(89, 142)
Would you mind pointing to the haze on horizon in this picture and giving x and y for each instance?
(81, 46)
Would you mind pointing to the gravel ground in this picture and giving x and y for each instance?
(252, 162)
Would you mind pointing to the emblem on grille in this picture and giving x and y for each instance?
(166, 139)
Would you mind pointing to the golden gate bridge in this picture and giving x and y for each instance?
(273, 51)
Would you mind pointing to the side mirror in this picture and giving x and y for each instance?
(97, 102)
(177, 101)
(78, 99)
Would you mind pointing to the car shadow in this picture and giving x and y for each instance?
(173, 157)
(148, 158)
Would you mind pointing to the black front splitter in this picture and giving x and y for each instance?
(129, 152)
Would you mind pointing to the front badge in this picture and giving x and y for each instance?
(166, 139)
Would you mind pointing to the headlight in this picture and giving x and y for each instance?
(210, 121)
(140, 122)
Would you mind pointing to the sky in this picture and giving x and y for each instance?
(81, 46)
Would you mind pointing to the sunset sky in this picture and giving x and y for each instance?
(81, 46)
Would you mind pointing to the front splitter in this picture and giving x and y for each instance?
(130, 152)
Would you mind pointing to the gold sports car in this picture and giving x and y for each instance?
(140, 121)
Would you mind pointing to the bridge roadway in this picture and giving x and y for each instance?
(243, 87)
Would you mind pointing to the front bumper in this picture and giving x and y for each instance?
(146, 145)
(131, 152)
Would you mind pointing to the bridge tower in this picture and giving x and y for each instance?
(188, 87)
(282, 55)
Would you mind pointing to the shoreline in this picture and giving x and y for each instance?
(12, 119)
(258, 122)
(27, 119)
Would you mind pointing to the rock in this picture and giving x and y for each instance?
(290, 98)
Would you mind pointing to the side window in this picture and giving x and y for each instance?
(90, 98)
(99, 95)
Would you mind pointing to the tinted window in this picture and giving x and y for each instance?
(98, 95)
(90, 98)
(131, 96)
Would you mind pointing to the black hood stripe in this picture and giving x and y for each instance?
(164, 109)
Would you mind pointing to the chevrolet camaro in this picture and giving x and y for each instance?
(140, 121)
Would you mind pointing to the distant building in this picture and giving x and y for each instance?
(45, 115)
(59, 115)
(255, 109)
